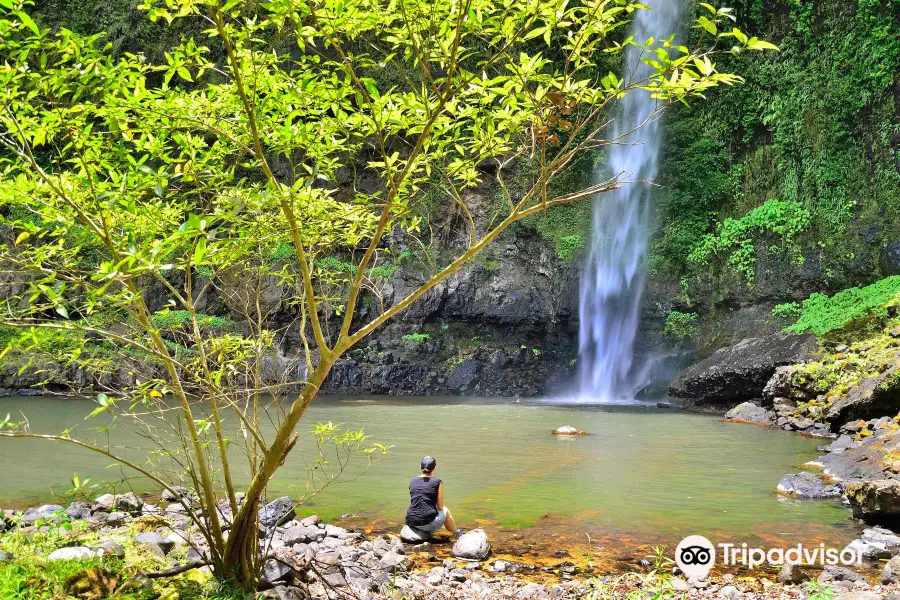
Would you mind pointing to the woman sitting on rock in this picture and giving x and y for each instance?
(426, 501)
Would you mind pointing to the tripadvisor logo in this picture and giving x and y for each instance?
(695, 556)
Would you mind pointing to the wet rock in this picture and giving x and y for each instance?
(780, 384)
(472, 545)
(837, 573)
(748, 412)
(873, 397)
(275, 571)
(568, 430)
(791, 573)
(740, 372)
(464, 377)
(116, 518)
(72, 553)
(500, 566)
(153, 538)
(807, 485)
(875, 501)
(411, 535)
(876, 543)
(276, 512)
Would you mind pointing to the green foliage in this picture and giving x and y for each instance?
(681, 324)
(417, 337)
(734, 238)
(569, 246)
(176, 319)
(788, 310)
(821, 314)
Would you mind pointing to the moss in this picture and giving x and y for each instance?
(822, 315)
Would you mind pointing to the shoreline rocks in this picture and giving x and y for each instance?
(568, 430)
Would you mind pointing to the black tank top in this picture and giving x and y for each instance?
(423, 497)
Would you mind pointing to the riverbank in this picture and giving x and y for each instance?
(114, 546)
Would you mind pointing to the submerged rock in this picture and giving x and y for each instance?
(472, 545)
(749, 412)
(807, 485)
(740, 372)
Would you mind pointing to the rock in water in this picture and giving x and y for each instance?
(568, 430)
(748, 412)
(875, 500)
(807, 485)
(472, 545)
(740, 372)
(410, 535)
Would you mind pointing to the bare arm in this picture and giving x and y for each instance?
(440, 502)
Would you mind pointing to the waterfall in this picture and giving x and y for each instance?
(614, 278)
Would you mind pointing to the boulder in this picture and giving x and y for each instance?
(780, 384)
(126, 502)
(72, 553)
(807, 485)
(472, 545)
(393, 561)
(748, 412)
(411, 535)
(276, 512)
(875, 543)
(791, 573)
(873, 397)
(310, 521)
(875, 501)
(464, 377)
(740, 372)
(568, 430)
(114, 519)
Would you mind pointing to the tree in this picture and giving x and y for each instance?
(120, 175)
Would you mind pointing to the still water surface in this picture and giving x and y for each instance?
(643, 476)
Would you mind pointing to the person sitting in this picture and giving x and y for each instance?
(426, 501)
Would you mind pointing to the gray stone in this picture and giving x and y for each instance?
(300, 534)
(678, 584)
(334, 531)
(79, 511)
(411, 535)
(109, 548)
(129, 503)
(465, 376)
(276, 512)
(500, 566)
(472, 545)
(532, 590)
(6, 556)
(868, 550)
(276, 570)
(334, 580)
(152, 537)
(47, 512)
(891, 572)
(731, 593)
(807, 485)
(748, 412)
(837, 573)
(861, 595)
(459, 575)
(72, 553)
(889, 259)
(281, 592)
(178, 493)
(310, 521)
(116, 518)
(791, 573)
(740, 372)
(392, 561)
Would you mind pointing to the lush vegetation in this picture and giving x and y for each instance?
(822, 315)
(814, 130)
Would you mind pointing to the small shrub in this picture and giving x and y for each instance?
(821, 314)
(788, 310)
(681, 324)
(569, 246)
(417, 337)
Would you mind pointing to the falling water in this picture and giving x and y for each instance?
(612, 286)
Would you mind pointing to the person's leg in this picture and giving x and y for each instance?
(449, 523)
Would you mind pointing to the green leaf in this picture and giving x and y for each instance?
(199, 250)
(184, 74)
(757, 44)
(28, 22)
(707, 25)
